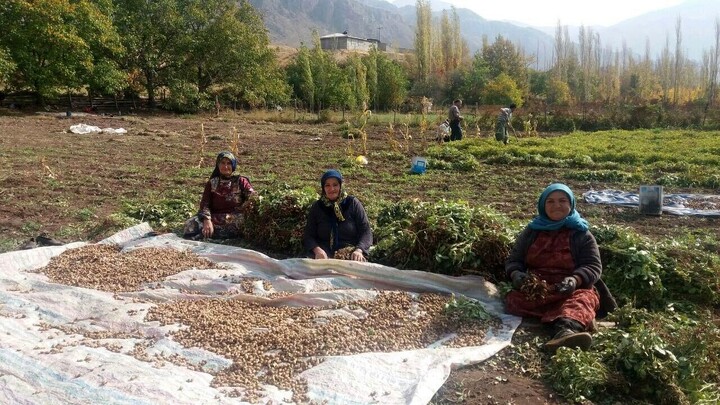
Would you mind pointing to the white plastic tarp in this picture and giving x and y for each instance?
(89, 129)
(43, 362)
(676, 204)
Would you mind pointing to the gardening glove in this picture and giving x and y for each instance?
(518, 278)
(567, 286)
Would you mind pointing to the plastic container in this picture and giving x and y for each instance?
(418, 165)
(651, 200)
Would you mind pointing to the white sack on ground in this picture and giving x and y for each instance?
(84, 129)
(42, 360)
(702, 205)
(89, 129)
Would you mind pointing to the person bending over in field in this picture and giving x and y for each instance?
(337, 225)
(504, 122)
(220, 215)
(555, 270)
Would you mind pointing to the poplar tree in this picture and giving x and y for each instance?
(714, 67)
(677, 71)
(423, 39)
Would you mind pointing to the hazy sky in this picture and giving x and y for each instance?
(569, 12)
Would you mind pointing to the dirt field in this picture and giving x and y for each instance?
(66, 185)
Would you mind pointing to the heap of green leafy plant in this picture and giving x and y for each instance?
(275, 221)
(466, 309)
(164, 214)
(448, 237)
(630, 266)
(691, 269)
(649, 274)
(662, 357)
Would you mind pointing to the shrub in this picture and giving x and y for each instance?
(275, 221)
(578, 375)
(445, 237)
(166, 213)
(630, 267)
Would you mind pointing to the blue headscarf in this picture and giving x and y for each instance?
(331, 173)
(220, 156)
(543, 223)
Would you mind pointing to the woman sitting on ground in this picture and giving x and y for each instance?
(337, 225)
(557, 248)
(224, 196)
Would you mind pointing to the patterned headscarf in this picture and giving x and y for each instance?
(334, 206)
(220, 156)
(543, 223)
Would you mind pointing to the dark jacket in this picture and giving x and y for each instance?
(355, 230)
(585, 254)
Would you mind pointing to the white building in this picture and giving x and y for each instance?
(344, 41)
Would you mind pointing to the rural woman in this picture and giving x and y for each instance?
(504, 122)
(555, 270)
(337, 225)
(225, 194)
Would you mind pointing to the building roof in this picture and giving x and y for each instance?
(337, 35)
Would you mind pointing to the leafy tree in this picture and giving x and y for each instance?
(340, 93)
(94, 20)
(58, 44)
(423, 35)
(503, 90)
(502, 57)
(357, 76)
(392, 83)
(371, 63)
(539, 82)
(475, 80)
(321, 65)
(226, 50)
(7, 66)
(558, 92)
(300, 77)
(154, 35)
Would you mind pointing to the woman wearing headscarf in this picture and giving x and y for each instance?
(225, 194)
(557, 248)
(336, 221)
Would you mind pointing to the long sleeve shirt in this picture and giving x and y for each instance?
(354, 230)
(224, 196)
(505, 116)
(454, 114)
(583, 248)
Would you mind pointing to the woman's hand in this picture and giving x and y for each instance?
(518, 279)
(207, 229)
(357, 255)
(567, 286)
(319, 253)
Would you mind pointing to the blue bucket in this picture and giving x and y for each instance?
(419, 165)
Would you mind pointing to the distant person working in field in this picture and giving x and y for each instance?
(555, 270)
(225, 193)
(337, 225)
(454, 119)
(504, 122)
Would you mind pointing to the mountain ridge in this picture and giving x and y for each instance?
(291, 23)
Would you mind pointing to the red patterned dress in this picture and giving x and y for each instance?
(221, 202)
(549, 258)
